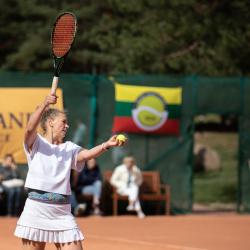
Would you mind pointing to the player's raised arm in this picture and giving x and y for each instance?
(85, 154)
(31, 128)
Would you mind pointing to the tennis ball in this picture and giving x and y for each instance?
(120, 138)
(152, 113)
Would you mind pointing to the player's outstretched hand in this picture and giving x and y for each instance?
(112, 142)
(50, 99)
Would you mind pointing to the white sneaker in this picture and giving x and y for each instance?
(80, 209)
(130, 208)
(141, 215)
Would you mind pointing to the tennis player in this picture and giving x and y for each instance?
(47, 212)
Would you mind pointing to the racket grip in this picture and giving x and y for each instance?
(54, 85)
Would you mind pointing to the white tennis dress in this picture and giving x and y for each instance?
(49, 171)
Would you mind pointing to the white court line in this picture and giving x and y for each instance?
(144, 243)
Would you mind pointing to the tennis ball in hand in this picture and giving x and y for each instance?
(120, 138)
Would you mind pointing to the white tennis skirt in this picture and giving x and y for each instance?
(47, 223)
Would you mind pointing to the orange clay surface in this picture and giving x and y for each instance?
(214, 231)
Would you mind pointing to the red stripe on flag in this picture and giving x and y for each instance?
(126, 124)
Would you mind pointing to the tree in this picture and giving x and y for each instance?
(114, 36)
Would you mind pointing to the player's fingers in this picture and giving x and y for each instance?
(124, 142)
(52, 101)
(53, 97)
(113, 138)
(50, 98)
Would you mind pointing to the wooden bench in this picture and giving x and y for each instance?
(151, 190)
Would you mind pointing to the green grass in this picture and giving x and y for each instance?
(218, 186)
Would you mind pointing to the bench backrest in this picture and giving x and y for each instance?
(151, 181)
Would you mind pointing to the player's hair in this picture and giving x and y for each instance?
(50, 113)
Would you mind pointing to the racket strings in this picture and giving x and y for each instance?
(63, 35)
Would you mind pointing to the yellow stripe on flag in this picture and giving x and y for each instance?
(130, 93)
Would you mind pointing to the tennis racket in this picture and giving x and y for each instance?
(62, 39)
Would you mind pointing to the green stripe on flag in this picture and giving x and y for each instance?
(125, 108)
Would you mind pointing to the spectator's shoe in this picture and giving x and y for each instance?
(130, 208)
(80, 209)
(141, 215)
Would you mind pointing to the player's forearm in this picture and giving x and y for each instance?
(35, 119)
(84, 154)
(87, 154)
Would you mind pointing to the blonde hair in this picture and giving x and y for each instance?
(50, 113)
(129, 158)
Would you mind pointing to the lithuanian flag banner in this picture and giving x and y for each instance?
(141, 109)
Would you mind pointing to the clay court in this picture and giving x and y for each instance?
(210, 231)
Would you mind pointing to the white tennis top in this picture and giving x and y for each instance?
(50, 165)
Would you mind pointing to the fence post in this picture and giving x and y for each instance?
(94, 108)
(241, 98)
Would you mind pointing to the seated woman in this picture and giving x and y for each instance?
(127, 178)
(88, 181)
(8, 172)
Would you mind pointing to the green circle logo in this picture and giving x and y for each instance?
(150, 111)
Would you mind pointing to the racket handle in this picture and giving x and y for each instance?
(54, 85)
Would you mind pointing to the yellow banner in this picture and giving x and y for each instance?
(130, 93)
(16, 106)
